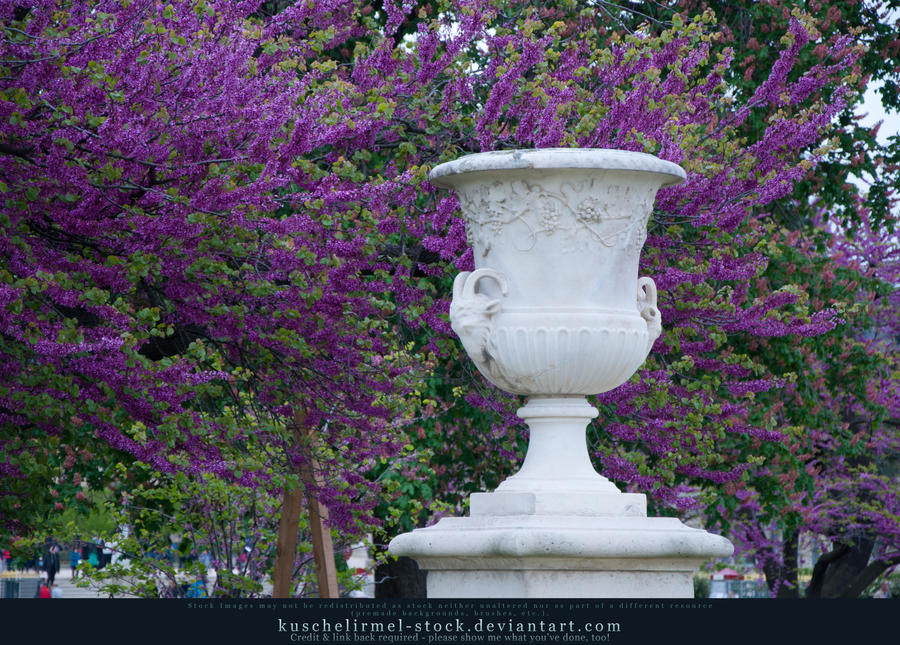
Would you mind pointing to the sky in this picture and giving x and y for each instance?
(873, 109)
(871, 105)
(872, 101)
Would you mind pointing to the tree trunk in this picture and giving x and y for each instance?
(323, 548)
(288, 527)
(286, 549)
(817, 581)
(845, 572)
(791, 574)
(785, 575)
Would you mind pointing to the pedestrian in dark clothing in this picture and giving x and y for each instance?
(106, 554)
(51, 562)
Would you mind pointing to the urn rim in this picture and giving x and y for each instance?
(443, 175)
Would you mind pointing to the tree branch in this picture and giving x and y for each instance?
(16, 151)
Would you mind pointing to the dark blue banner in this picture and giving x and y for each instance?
(623, 622)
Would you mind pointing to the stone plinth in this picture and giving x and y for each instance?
(551, 545)
(558, 529)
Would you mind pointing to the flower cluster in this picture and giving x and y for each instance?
(215, 216)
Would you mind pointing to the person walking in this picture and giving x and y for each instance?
(99, 544)
(106, 554)
(74, 559)
(56, 591)
(51, 562)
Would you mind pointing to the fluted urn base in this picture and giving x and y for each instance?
(557, 529)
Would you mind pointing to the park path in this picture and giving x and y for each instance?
(69, 588)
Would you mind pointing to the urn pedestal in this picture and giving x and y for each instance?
(555, 310)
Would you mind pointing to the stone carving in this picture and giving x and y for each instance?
(614, 215)
(471, 317)
(571, 239)
(646, 302)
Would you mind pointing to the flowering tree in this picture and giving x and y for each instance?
(859, 159)
(734, 402)
(845, 398)
(174, 262)
(216, 212)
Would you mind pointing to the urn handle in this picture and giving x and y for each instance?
(471, 316)
(646, 303)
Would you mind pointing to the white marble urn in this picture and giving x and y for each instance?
(555, 310)
(555, 305)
